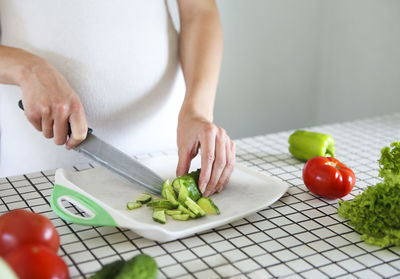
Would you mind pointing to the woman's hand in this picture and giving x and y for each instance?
(217, 152)
(50, 104)
(200, 50)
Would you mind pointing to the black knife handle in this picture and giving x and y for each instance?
(89, 131)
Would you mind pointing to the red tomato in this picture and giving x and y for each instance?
(37, 262)
(328, 178)
(20, 227)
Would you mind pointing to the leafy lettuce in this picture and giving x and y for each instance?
(375, 213)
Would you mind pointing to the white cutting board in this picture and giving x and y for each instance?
(103, 195)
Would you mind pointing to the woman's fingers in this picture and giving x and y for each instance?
(219, 163)
(50, 103)
(53, 122)
(217, 152)
(207, 145)
(34, 116)
(60, 124)
(47, 123)
(184, 160)
(230, 164)
(79, 127)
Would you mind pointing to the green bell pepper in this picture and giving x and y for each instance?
(305, 145)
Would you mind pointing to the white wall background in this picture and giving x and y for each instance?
(290, 64)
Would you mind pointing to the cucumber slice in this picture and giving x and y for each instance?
(133, 205)
(171, 197)
(194, 207)
(208, 206)
(162, 203)
(166, 185)
(144, 198)
(159, 209)
(180, 217)
(186, 211)
(173, 212)
(168, 192)
(177, 184)
(186, 182)
(159, 216)
(183, 194)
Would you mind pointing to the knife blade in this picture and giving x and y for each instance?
(117, 161)
(120, 163)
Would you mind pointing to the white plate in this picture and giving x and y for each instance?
(103, 195)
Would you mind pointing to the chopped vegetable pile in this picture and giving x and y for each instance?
(376, 212)
(182, 200)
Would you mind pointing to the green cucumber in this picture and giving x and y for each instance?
(194, 207)
(173, 212)
(144, 198)
(184, 210)
(109, 270)
(180, 217)
(182, 200)
(171, 197)
(133, 205)
(168, 192)
(188, 184)
(162, 203)
(208, 206)
(159, 216)
(195, 175)
(183, 194)
(165, 186)
(140, 267)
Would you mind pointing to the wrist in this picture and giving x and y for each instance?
(198, 103)
(28, 66)
(192, 109)
(16, 64)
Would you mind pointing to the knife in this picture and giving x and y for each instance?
(117, 161)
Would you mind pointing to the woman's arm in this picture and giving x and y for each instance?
(49, 102)
(200, 49)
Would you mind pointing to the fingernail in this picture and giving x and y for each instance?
(207, 193)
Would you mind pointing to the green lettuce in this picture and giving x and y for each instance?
(375, 213)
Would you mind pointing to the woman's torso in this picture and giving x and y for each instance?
(121, 57)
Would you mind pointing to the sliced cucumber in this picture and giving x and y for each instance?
(165, 186)
(162, 203)
(183, 194)
(184, 210)
(186, 182)
(159, 216)
(194, 207)
(144, 198)
(180, 217)
(208, 206)
(133, 205)
(171, 197)
(173, 212)
(177, 184)
(168, 192)
(181, 200)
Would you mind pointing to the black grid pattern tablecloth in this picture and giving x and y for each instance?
(300, 236)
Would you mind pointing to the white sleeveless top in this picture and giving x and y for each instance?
(120, 56)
